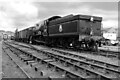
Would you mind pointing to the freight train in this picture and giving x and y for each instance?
(76, 31)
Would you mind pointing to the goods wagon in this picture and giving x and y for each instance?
(24, 35)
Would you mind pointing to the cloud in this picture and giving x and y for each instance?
(18, 14)
(25, 9)
(110, 23)
(65, 0)
(89, 10)
(5, 22)
(110, 18)
(22, 14)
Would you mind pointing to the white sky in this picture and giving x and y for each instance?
(25, 13)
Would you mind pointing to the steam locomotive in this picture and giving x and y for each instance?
(76, 31)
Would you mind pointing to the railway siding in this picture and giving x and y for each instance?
(9, 69)
(54, 64)
(90, 56)
(77, 60)
(6, 51)
(102, 53)
(26, 69)
(58, 56)
(110, 48)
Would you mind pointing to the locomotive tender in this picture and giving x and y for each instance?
(77, 31)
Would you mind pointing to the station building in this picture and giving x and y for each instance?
(111, 34)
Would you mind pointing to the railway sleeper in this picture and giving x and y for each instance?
(95, 68)
(69, 75)
(114, 74)
(35, 64)
(112, 55)
(59, 52)
(18, 65)
(55, 67)
(22, 55)
(30, 62)
(48, 65)
(27, 59)
(104, 70)
(106, 66)
(111, 66)
(75, 68)
(14, 51)
(81, 57)
(89, 60)
(60, 70)
(102, 63)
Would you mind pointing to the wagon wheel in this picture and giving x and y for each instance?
(93, 46)
(87, 46)
(30, 40)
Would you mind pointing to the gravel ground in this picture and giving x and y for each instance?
(9, 68)
(11, 71)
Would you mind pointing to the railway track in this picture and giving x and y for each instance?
(105, 53)
(18, 66)
(80, 66)
(31, 60)
(30, 71)
(74, 53)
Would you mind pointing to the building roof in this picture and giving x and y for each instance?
(110, 30)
